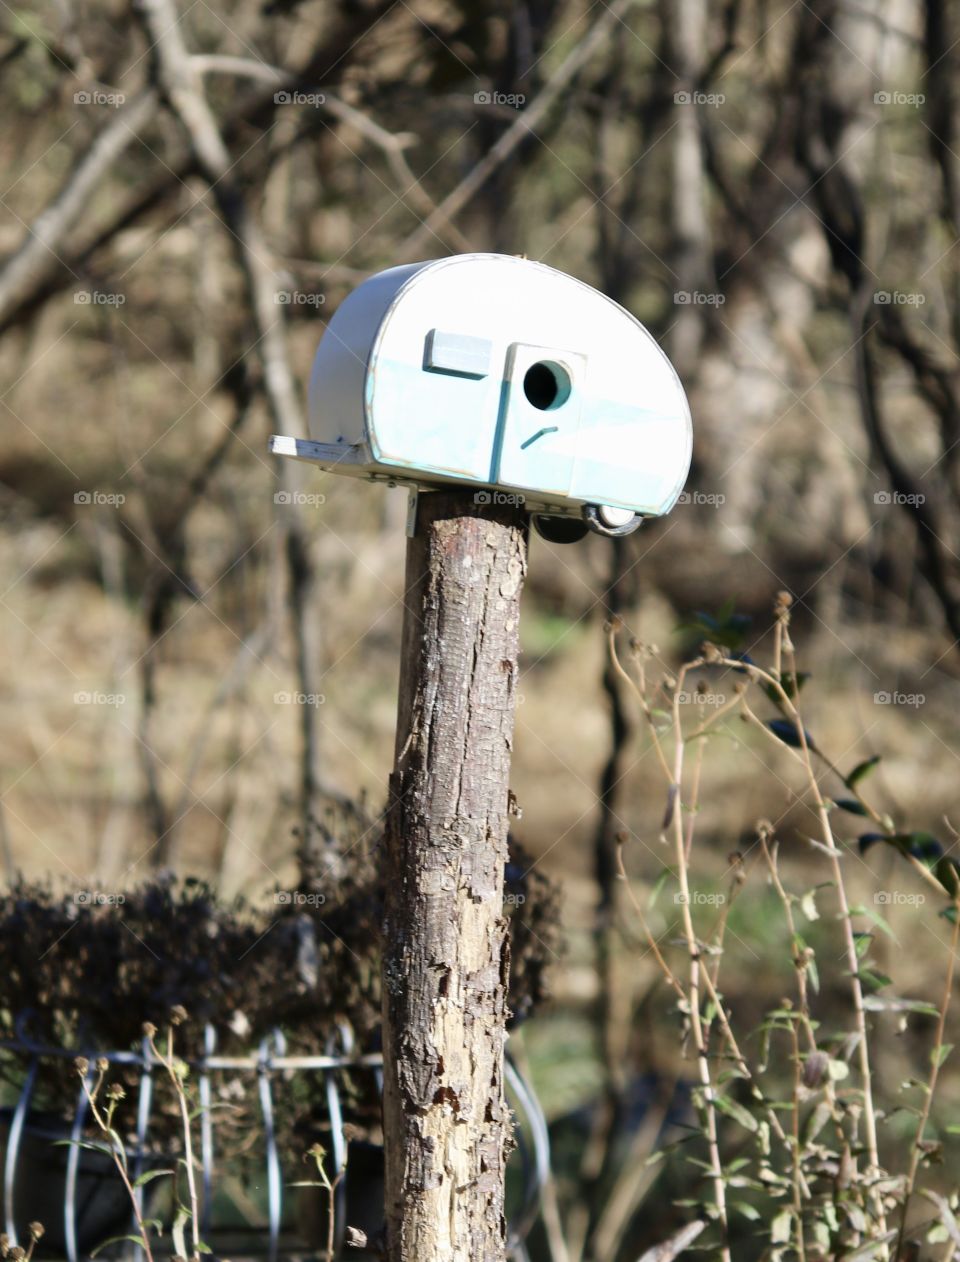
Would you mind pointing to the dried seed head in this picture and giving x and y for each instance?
(82, 1066)
(710, 653)
(116, 1092)
(178, 1014)
(149, 1030)
(815, 1069)
(36, 1230)
(102, 1064)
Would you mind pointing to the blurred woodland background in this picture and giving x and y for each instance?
(200, 647)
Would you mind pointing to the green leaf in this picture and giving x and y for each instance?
(808, 903)
(149, 1176)
(874, 979)
(138, 1240)
(781, 1228)
(179, 1238)
(748, 1211)
(813, 973)
(851, 805)
(736, 1111)
(939, 1054)
(786, 731)
(860, 770)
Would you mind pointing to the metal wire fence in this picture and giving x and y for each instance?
(267, 1063)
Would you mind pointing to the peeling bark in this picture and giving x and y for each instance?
(445, 955)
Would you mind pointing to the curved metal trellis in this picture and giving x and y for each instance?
(270, 1058)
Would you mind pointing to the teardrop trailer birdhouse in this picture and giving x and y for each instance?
(504, 374)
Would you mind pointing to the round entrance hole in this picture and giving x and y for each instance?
(546, 385)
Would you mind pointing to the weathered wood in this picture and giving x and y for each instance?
(445, 958)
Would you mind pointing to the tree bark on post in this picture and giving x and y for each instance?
(447, 1128)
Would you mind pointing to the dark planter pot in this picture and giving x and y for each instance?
(364, 1201)
(103, 1208)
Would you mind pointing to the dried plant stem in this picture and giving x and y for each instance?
(170, 1066)
(118, 1155)
(846, 919)
(935, 1060)
(693, 996)
(801, 964)
(647, 932)
(797, 1171)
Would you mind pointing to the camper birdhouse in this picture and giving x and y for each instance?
(505, 375)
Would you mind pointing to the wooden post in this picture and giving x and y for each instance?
(447, 1129)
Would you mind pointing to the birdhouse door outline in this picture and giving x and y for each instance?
(541, 402)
